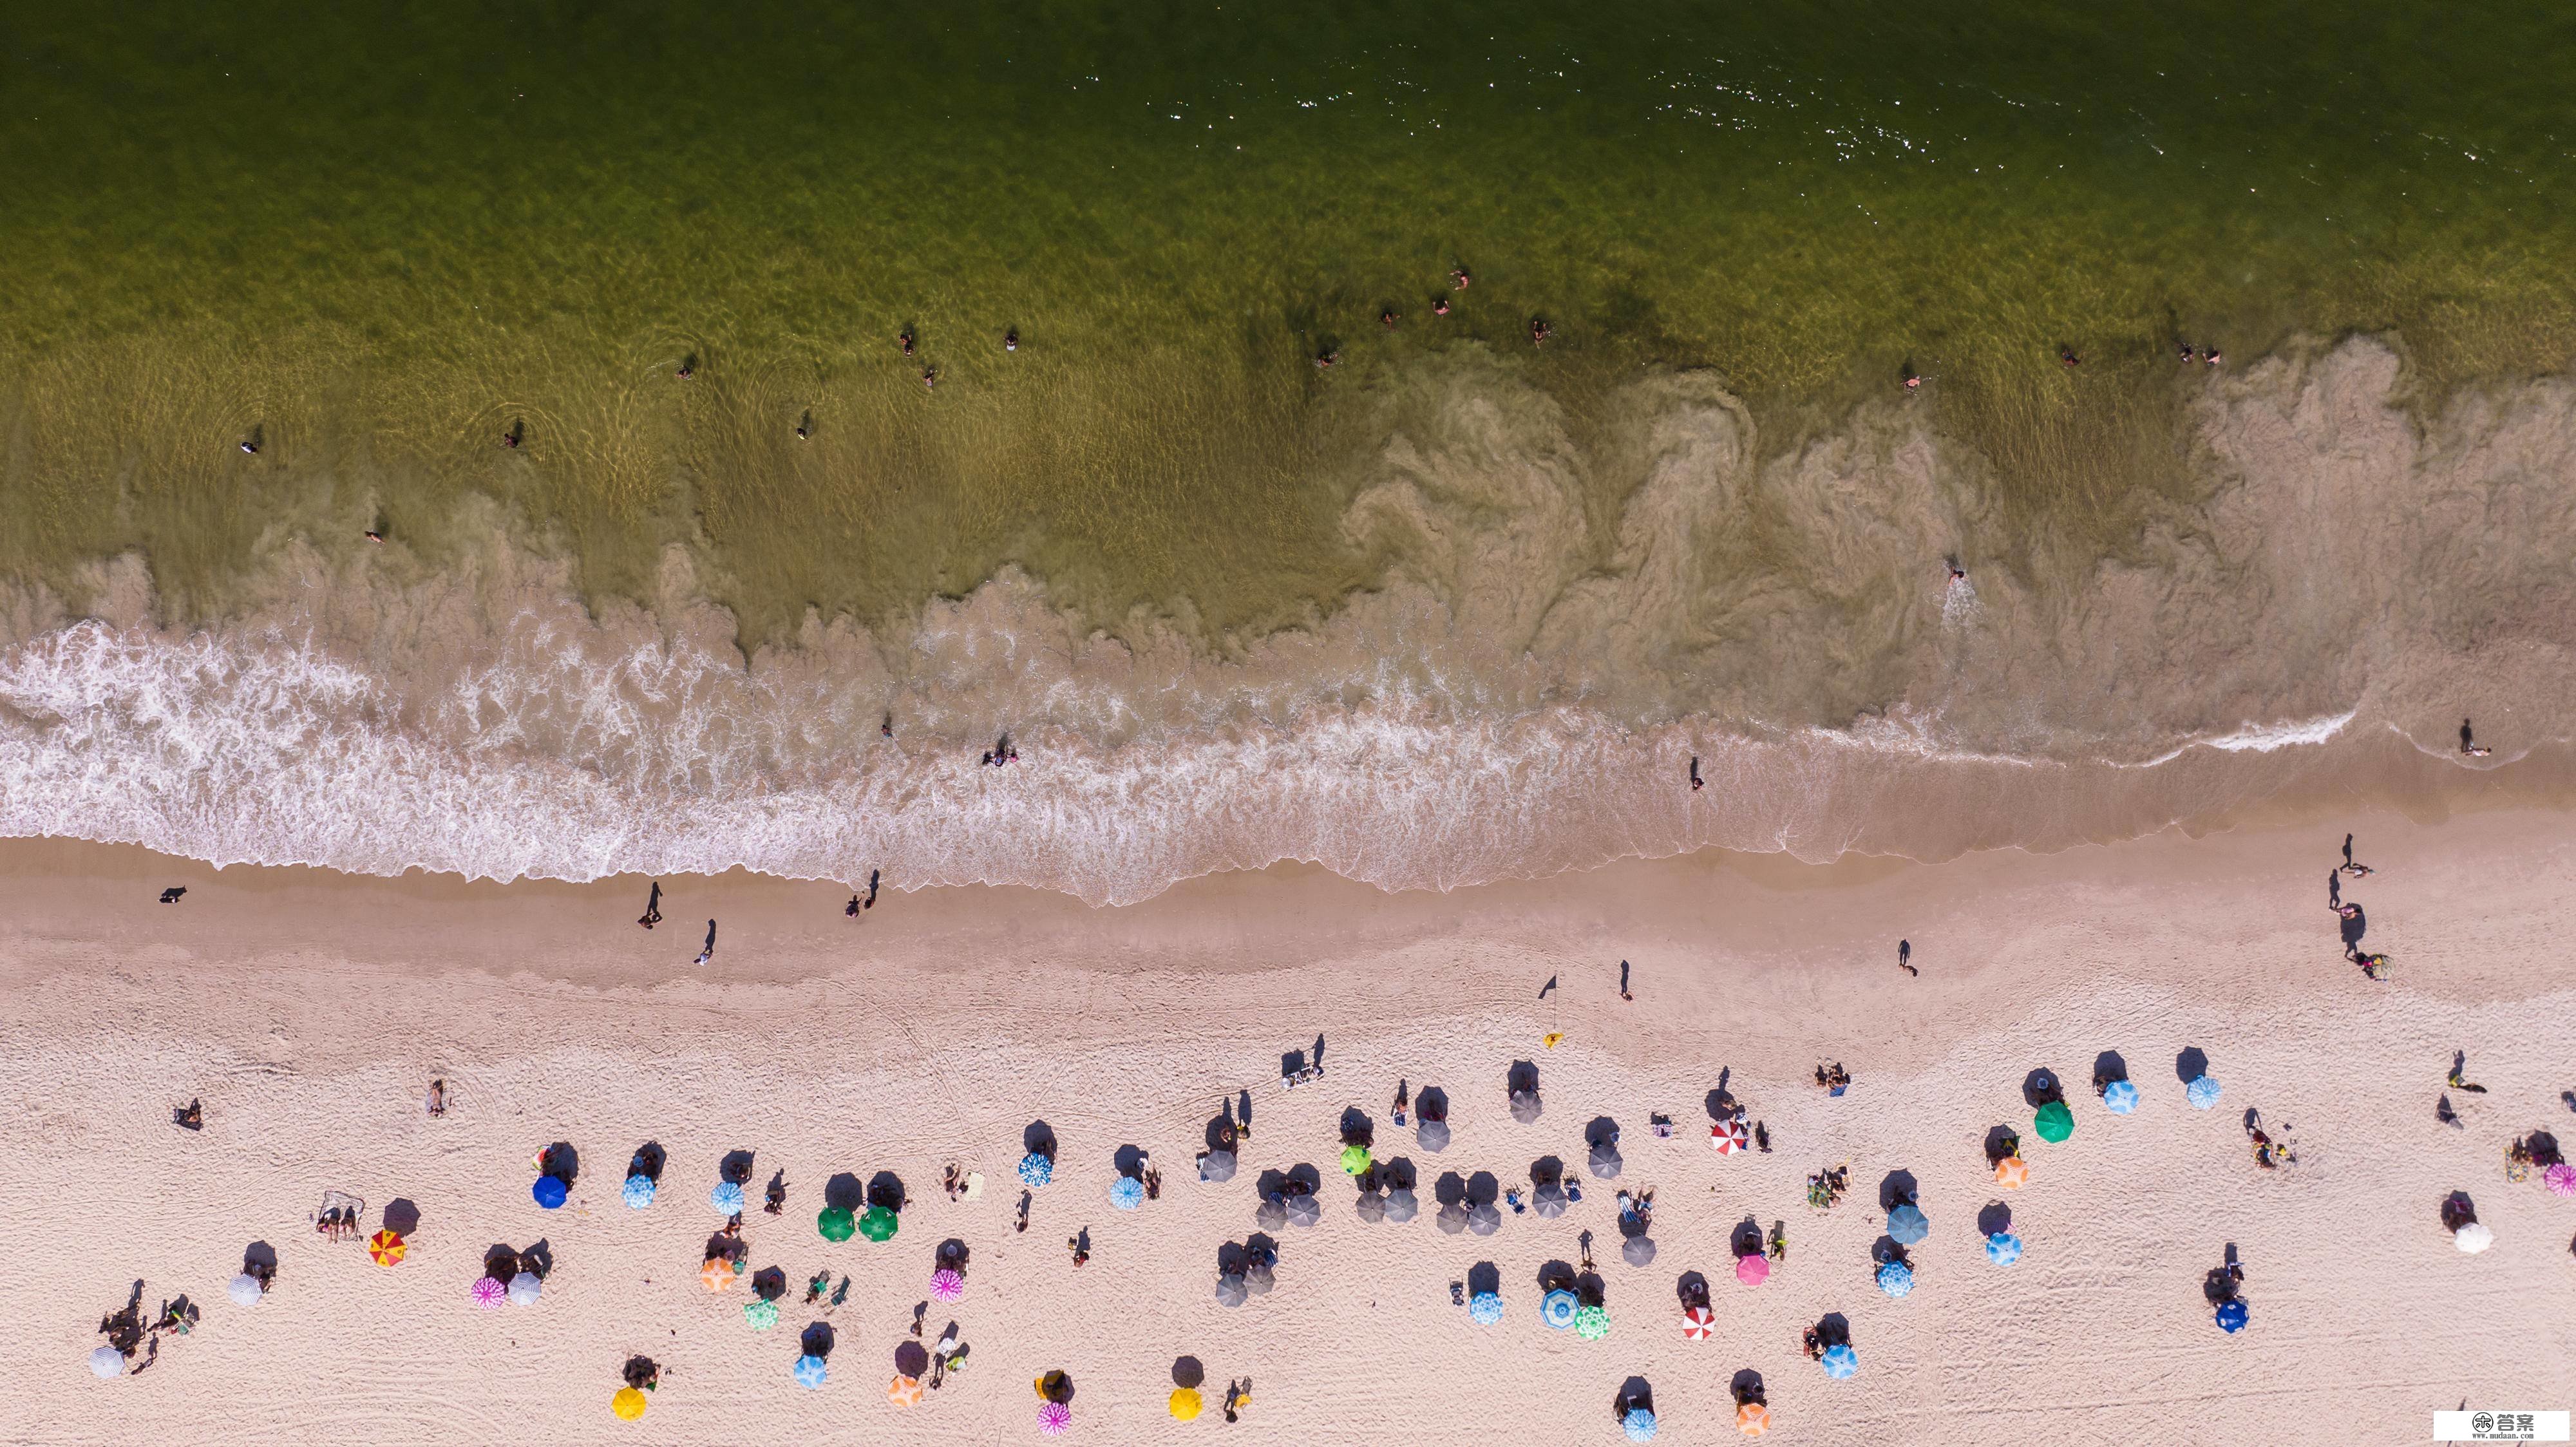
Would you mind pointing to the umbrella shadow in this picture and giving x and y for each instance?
(845, 1192)
(1232, 1259)
(1746, 1238)
(1888, 1249)
(885, 1188)
(817, 1339)
(911, 1359)
(1221, 1134)
(951, 1255)
(2002, 1142)
(769, 1283)
(1692, 1288)
(1450, 1189)
(1833, 1329)
(1995, 1219)
(1188, 1372)
(1898, 1189)
(538, 1259)
(1397, 1172)
(2107, 1067)
(501, 1261)
(1483, 1277)
(562, 1162)
(259, 1258)
(1547, 1171)
(1128, 1160)
(648, 1160)
(1634, 1394)
(1555, 1276)
(1038, 1139)
(402, 1217)
(1262, 1248)
(2191, 1064)
(1483, 1189)
(1432, 1103)
(1602, 1131)
(735, 1168)
(1357, 1129)
(2040, 1087)
(1304, 1179)
(1521, 1078)
(1590, 1289)
(1746, 1386)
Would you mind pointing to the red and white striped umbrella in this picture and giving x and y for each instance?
(1727, 1136)
(1698, 1324)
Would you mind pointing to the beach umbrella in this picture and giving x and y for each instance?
(107, 1362)
(760, 1314)
(1638, 1251)
(628, 1404)
(1230, 1290)
(1217, 1166)
(1726, 1137)
(488, 1291)
(637, 1192)
(2003, 1248)
(244, 1290)
(525, 1288)
(1355, 1159)
(1483, 1219)
(2473, 1238)
(1036, 1170)
(2011, 1171)
(948, 1286)
(1452, 1218)
(810, 1372)
(1752, 1419)
(726, 1198)
(1186, 1404)
(1372, 1207)
(1054, 1417)
(716, 1275)
(2202, 1092)
(2231, 1316)
(904, 1391)
(1896, 1278)
(1126, 1193)
(1592, 1323)
(1259, 1277)
(1304, 1211)
(2560, 1178)
(387, 1247)
(1549, 1201)
(1433, 1135)
(1271, 1214)
(2120, 1097)
(1698, 1323)
(1558, 1309)
(1751, 1269)
(2054, 1121)
(877, 1223)
(1485, 1308)
(836, 1223)
(1907, 1224)
(1402, 1205)
(1639, 1424)
(1525, 1106)
(549, 1191)
(1605, 1161)
(1841, 1361)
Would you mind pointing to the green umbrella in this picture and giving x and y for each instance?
(2055, 1121)
(835, 1223)
(761, 1314)
(1592, 1323)
(1355, 1159)
(877, 1223)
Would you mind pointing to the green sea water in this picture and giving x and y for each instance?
(376, 238)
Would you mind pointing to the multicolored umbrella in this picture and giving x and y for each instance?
(1485, 1308)
(2011, 1172)
(2202, 1092)
(1698, 1323)
(877, 1223)
(1752, 1419)
(760, 1314)
(387, 1247)
(1355, 1159)
(1639, 1424)
(2054, 1121)
(1126, 1193)
(904, 1391)
(550, 1192)
(2003, 1248)
(1840, 1361)
(1186, 1404)
(717, 1275)
(726, 1198)
(1896, 1278)
(1726, 1137)
(810, 1373)
(1908, 1224)
(1558, 1309)
(948, 1285)
(1054, 1417)
(489, 1291)
(2560, 1178)
(2120, 1097)
(244, 1290)
(628, 1404)
(1036, 1170)
(2231, 1316)
(1752, 1269)
(2473, 1238)
(836, 1223)
(525, 1288)
(1592, 1323)
(637, 1193)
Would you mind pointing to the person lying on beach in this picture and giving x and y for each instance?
(191, 1116)
(1403, 1098)
(814, 1289)
(2457, 1078)
(1762, 1137)
(951, 1182)
(173, 894)
(1814, 1348)
(1023, 1223)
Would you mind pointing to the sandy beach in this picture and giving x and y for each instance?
(308, 1011)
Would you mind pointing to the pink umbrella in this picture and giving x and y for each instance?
(490, 1292)
(947, 1285)
(1752, 1269)
(1698, 1324)
(1054, 1417)
(2561, 1178)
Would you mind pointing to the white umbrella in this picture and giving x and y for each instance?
(244, 1290)
(1217, 1166)
(2473, 1237)
(1230, 1289)
(1433, 1134)
(1484, 1220)
(1452, 1219)
(1638, 1251)
(1401, 1205)
(107, 1362)
(1304, 1211)
(1525, 1106)
(525, 1288)
(1605, 1161)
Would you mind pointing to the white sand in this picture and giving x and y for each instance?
(309, 1011)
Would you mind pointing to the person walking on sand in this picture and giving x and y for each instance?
(652, 908)
(709, 952)
(1904, 954)
(2334, 890)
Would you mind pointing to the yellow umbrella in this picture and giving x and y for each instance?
(387, 1247)
(2011, 1171)
(904, 1391)
(1185, 1404)
(1551, 1038)
(628, 1404)
(1752, 1419)
(718, 1274)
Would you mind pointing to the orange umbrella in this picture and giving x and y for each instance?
(904, 1391)
(1752, 1419)
(718, 1274)
(387, 1247)
(2011, 1171)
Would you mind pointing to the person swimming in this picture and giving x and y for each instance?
(1387, 319)
(903, 339)
(2067, 356)
(805, 425)
(1440, 306)
(1011, 340)
(1540, 331)
(1459, 280)
(929, 378)
(1326, 358)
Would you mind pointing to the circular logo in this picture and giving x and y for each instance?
(2482, 1423)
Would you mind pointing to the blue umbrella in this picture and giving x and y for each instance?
(1841, 1361)
(638, 1192)
(1639, 1424)
(726, 1198)
(1557, 1309)
(1036, 1170)
(1896, 1278)
(1486, 1309)
(1127, 1193)
(2003, 1248)
(2203, 1092)
(1907, 1225)
(549, 1191)
(809, 1372)
(2231, 1317)
(2120, 1097)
